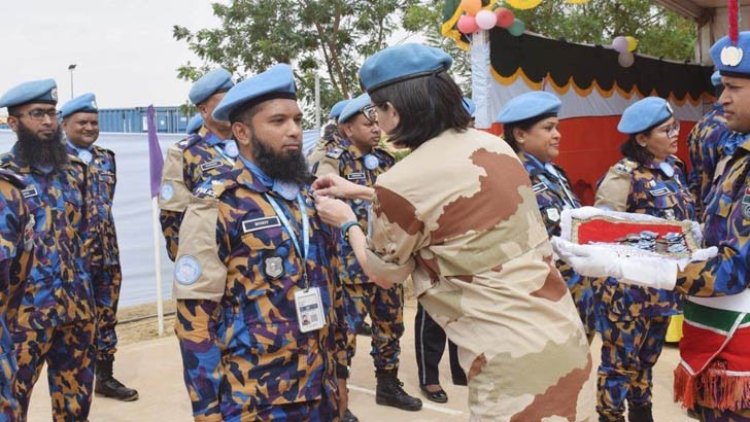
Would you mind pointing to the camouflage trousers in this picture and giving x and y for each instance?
(9, 410)
(630, 349)
(69, 351)
(582, 290)
(386, 309)
(107, 287)
(325, 409)
(706, 414)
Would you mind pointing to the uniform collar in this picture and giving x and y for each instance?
(212, 139)
(532, 164)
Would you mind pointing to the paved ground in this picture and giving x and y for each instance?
(154, 368)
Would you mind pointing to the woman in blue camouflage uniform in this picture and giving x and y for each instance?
(634, 320)
(531, 127)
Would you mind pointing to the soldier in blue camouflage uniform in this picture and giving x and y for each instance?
(80, 123)
(708, 141)
(649, 180)
(53, 319)
(359, 158)
(16, 254)
(259, 310)
(195, 161)
(530, 127)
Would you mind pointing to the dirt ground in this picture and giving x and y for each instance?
(152, 364)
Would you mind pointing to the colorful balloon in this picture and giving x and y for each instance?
(523, 4)
(505, 17)
(632, 43)
(467, 24)
(471, 6)
(626, 59)
(517, 28)
(620, 44)
(486, 19)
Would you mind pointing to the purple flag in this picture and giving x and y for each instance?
(155, 159)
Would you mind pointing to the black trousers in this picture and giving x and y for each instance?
(430, 344)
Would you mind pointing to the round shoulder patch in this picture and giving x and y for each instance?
(167, 191)
(187, 270)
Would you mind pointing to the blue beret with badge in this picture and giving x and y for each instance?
(644, 114)
(354, 107)
(470, 106)
(276, 82)
(42, 91)
(716, 79)
(337, 109)
(732, 59)
(209, 84)
(402, 62)
(85, 103)
(195, 124)
(527, 106)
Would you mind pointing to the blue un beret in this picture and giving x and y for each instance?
(402, 62)
(195, 124)
(337, 109)
(527, 106)
(644, 114)
(470, 107)
(209, 84)
(85, 103)
(276, 82)
(353, 107)
(43, 91)
(732, 60)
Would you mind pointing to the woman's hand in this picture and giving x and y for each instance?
(336, 186)
(333, 211)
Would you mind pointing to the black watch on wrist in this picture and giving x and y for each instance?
(346, 227)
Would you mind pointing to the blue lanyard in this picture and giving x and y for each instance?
(288, 226)
(229, 159)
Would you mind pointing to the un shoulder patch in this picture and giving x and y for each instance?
(335, 153)
(746, 204)
(187, 270)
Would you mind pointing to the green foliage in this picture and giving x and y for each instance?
(661, 33)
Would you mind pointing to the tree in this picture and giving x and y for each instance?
(327, 37)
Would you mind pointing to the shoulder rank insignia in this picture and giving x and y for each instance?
(335, 153)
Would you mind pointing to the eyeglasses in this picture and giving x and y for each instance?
(38, 114)
(370, 113)
(672, 130)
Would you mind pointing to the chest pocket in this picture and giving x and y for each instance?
(107, 182)
(271, 259)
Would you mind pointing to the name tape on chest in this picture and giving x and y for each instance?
(335, 153)
(210, 165)
(539, 187)
(249, 226)
(359, 175)
(659, 192)
(30, 192)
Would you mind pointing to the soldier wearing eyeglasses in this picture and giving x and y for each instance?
(52, 318)
(359, 158)
(649, 180)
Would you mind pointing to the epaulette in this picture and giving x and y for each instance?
(105, 151)
(625, 166)
(335, 153)
(189, 141)
(386, 151)
(12, 178)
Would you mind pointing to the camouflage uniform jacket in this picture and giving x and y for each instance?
(347, 161)
(644, 189)
(189, 169)
(236, 277)
(16, 253)
(709, 140)
(459, 215)
(552, 189)
(101, 243)
(58, 289)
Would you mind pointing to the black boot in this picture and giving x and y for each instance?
(389, 392)
(349, 417)
(364, 329)
(640, 414)
(108, 386)
(606, 419)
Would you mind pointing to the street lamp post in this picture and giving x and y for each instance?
(71, 68)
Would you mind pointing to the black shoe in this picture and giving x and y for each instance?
(364, 329)
(389, 392)
(640, 414)
(349, 417)
(107, 386)
(438, 396)
(606, 419)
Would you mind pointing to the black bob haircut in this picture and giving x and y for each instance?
(427, 106)
(524, 125)
(632, 150)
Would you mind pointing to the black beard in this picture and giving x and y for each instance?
(34, 151)
(283, 166)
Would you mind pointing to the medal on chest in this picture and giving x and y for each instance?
(371, 162)
(273, 266)
(85, 155)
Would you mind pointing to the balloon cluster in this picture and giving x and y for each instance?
(475, 19)
(625, 46)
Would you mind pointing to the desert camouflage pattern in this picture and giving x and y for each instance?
(243, 353)
(553, 195)
(708, 141)
(16, 253)
(469, 232)
(103, 252)
(189, 168)
(361, 296)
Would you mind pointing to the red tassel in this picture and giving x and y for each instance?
(684, 387)
(733, 8)
(712, 388)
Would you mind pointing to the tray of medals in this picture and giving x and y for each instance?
(672, 239)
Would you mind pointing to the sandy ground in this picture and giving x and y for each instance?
(152, 364)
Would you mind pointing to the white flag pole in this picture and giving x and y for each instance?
(157, 263)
